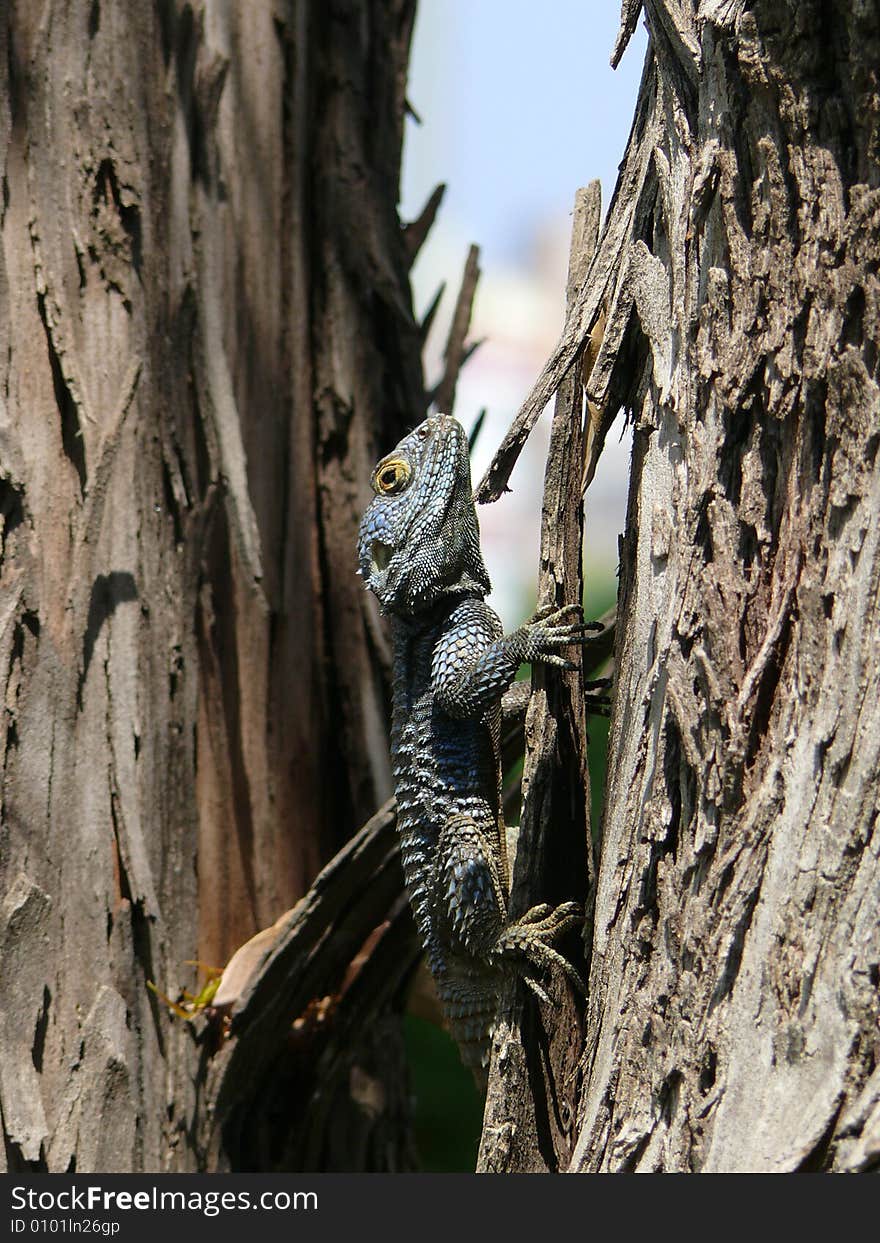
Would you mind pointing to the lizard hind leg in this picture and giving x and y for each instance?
(470, 895)
(470, 914)
(479, 944)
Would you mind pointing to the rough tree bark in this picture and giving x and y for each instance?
(733, 1006)
(206, 339)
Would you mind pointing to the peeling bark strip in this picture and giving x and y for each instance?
(530, 1106)
(733, 1008)
(206, 339)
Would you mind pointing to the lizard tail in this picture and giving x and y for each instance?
(471, 1013)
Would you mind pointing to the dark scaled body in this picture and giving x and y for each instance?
(419, 552)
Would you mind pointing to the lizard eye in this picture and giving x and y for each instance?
(392, 477)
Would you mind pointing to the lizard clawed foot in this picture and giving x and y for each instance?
(531, 938)
(556, 627)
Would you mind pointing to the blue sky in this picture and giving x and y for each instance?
(520, 106)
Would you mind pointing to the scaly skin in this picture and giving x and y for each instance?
(419, 551)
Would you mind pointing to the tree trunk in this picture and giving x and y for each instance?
(734, 1003)
(207, 339)
(733, 997)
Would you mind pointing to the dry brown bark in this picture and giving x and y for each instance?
(206, 339)
(732, 1019)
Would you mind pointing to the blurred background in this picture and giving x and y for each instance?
(518, 107)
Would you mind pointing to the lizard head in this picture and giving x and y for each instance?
(419, 538)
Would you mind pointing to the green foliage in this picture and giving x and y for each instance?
(599, 596)
(448, 1109)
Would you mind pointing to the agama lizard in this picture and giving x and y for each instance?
(419, 551)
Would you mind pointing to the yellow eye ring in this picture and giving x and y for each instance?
(392, 476)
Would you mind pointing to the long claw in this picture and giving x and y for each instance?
(559, 661)
(555, 614)
(535, 987)
(535, 913)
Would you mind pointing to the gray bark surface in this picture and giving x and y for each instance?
(734, 1001)
(206, 339)
(732, 1019)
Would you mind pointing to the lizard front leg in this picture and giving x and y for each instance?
(474, 663)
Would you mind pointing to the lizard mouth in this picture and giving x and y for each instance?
(380, 556)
